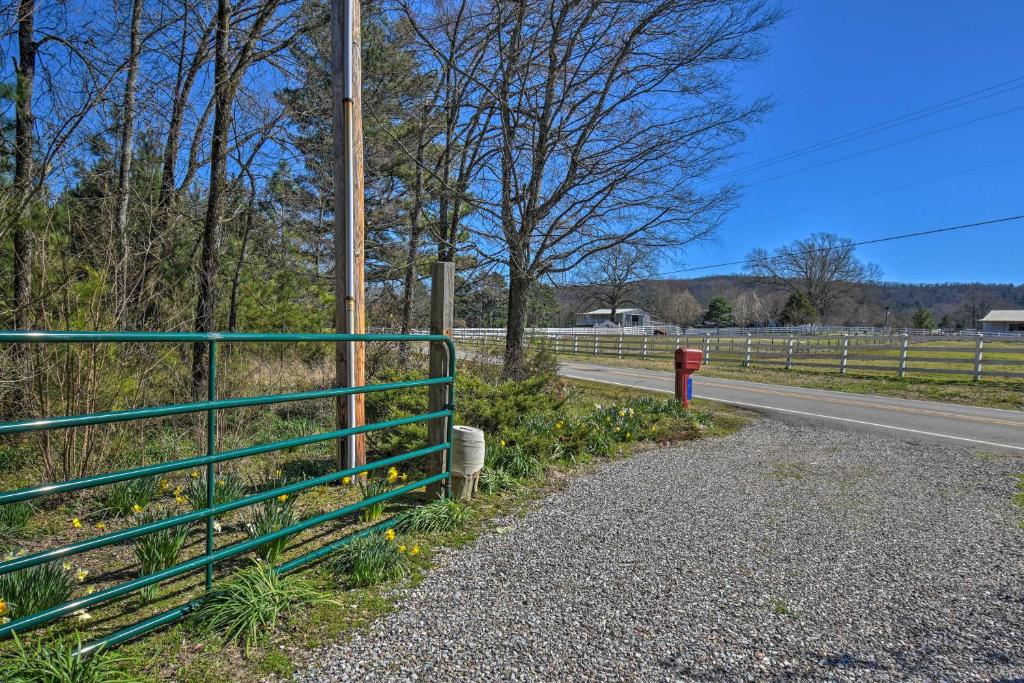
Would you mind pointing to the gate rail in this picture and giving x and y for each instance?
(211, 406)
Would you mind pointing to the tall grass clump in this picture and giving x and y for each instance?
(125, 497)
(495, 480)
(249, 604)
(266, 518)
(157, 551)
(34, 589)
(228, 486)
(370, 560)
(443, 514)
(514, 459)
(14, 518)
(57, 663)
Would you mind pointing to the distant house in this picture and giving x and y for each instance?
(624, 317)
(1003, 321)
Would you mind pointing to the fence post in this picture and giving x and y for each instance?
(789, 353)
(558, 338)
(978, 354)
(620, 345)
(211, 450)
(595, 342)
(575, 342)
(846, 352)
(904, 350)
(707, 349)
(442, 316)
(643, 350)
(746, 358)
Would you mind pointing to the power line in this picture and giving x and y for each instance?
(885, 146)
(807, 252)
(953, 103)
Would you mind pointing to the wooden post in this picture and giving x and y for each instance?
(746, 357)
(845, 354)
(789, 353)
(442, 315)
(904, 350)
(978, 356)
(343, 355)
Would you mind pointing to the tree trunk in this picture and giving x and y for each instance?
(124, 171)
(515, 354)
(23, 162)
(415, 228)
(207, 300)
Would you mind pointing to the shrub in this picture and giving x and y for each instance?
(57, 663)
(121, 498)
(157, 551)
(34, 589)
(444, 514)
(227, 487)
(270, 516)
(495, 480)
(245, 607)
(14, 517)
(369, 560)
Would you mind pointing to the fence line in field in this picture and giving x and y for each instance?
(796, 330)
(900, 355)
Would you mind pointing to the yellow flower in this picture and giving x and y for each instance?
(220, 482)
(616, 429)
(401, 548)
(415, 550)
(90, 590)
(346, 480)
(83, 574)
(404, 476)
(180, 500)
(3, 606)
(392, 475)
(76, 523)
(137, 508)
(66, 566)
(502, 443)
(558, 425)
(278, 473)
(164, 486)
(4, 620)
(101, 526)
(627, 435)
(194, 475)
(653, 428)
(389, 534)
(622, 413)
(283, 498)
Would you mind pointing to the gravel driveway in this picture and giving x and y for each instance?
(780, 552)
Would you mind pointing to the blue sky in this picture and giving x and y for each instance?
(837, 66)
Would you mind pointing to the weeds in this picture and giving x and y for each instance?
(370, 560)
(34, 589)
(125, 497)
(57, 663)
(272, 515)
(14, 518)
(157, 551)
(444, 514)
(249, 604)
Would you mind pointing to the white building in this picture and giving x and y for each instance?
(1003, 321)
(624, 317)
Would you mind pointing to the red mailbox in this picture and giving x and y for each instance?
(687, 362)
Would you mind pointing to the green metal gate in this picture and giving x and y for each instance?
(209, 460)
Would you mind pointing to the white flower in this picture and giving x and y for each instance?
(82, 615)
(4, 620)
(216, 526)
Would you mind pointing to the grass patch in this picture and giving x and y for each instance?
(56, 663)
(14, 518)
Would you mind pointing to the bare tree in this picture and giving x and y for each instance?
(678, 308)
(607, 114)
(612, 277)
(822, 267)
(24, 173)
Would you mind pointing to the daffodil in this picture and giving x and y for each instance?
(622, 413)
(82, 615)
(177, 492)
(278, 473)
(283, 498)
(101, 526)
(617, 429)
(502, 443)
(401, 548)
(404, 476)
(180, 500)
(558, 425)
(82, 574)
(76, 523)
(137, 508)
(164, 486)
(389, 534)
(392, 475)
(90, 590)
(66, 566)
(415, 550)
(194, 475)
(346, 480)
(3, 606)
(628, 435)
(4, 620)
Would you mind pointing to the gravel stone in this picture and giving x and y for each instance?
(780, 552)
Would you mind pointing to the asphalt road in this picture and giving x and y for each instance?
(932, 422)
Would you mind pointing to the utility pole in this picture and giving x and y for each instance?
(349, 308)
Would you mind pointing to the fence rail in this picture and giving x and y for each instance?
(212, 555)
(977, 357)
(795, 330)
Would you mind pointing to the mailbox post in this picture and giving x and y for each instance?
(687, 362)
